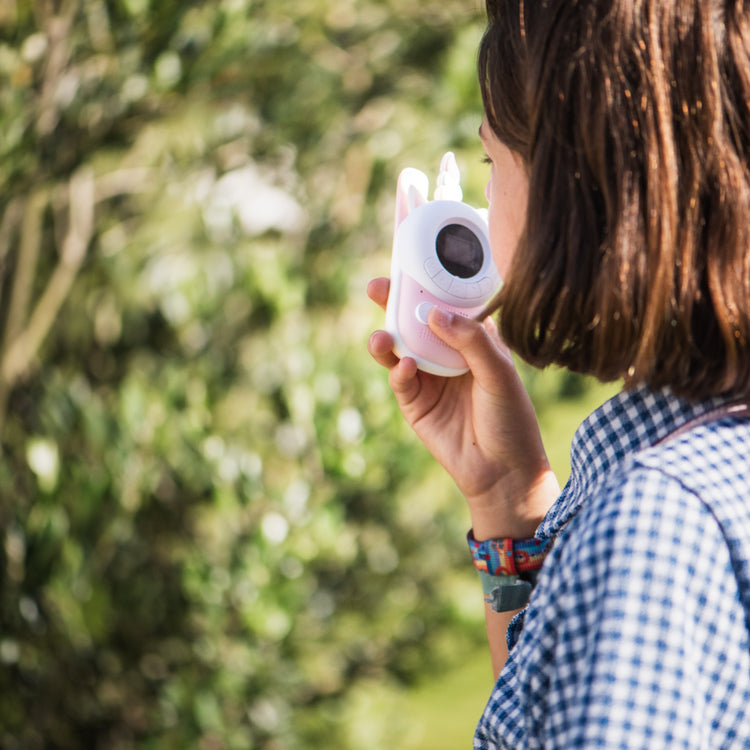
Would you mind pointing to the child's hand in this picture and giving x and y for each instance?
(480, 426)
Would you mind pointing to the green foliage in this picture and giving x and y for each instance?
(217, 531)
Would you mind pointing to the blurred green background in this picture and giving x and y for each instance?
(216, 531)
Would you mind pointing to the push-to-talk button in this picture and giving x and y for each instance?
(422, 311)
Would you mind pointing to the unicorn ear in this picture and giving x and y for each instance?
(411, 192)
(448, 186)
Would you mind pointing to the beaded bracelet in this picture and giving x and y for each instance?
(508, 569)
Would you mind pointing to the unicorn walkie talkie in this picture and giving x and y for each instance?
(441, 256)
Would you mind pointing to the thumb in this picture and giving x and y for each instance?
(479, 344)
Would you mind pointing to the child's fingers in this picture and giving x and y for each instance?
(380, 347)
(404, 381)
(478, 343)
(377, 291)
(491, 327)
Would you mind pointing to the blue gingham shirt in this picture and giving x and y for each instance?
(638, 632)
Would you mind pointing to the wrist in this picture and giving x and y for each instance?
(511, 508)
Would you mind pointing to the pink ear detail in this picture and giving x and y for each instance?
(411, 192)
(415, 198)
(402, 203)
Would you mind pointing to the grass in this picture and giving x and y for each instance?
(443, 713)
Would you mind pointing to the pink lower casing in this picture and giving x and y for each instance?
(415, 339)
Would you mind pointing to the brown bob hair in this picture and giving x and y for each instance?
(633, 118)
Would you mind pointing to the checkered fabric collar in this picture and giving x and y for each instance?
(631, 421)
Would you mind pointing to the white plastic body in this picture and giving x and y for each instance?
(419, 279)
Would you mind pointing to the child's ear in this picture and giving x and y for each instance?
(411, 192)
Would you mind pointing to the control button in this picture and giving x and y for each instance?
(422, 311)
(477, 290)
(486, 286)
(432, 266)
(463, 290)
(444, 280)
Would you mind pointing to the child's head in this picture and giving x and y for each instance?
(633, 117)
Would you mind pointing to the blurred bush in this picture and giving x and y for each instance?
(217, 533)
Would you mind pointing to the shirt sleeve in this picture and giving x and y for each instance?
(635, 636)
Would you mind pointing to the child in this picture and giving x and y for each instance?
(618, 133)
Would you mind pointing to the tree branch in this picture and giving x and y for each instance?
(23, 348)
(25, 271)
(57, 29)
(8, 228)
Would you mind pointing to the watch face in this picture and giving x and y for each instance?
(459, 250)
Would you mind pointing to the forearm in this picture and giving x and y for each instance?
(489, 521)
(514, 511)
(497, 628)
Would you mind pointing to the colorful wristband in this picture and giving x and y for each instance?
(508, 557)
